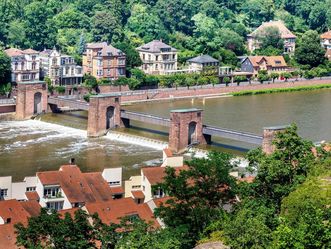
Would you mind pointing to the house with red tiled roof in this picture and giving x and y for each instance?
(286, 35)
(254, 64)
(69, 187)
(11, 213)
(113, 210)
(25, 64)
(326, 40)
(140, 187)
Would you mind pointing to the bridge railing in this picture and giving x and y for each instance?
(232, 134)
(143, 117)
(72, 103)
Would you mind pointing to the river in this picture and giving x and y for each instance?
(30, 146)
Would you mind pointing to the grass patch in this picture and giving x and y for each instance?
(280, 90)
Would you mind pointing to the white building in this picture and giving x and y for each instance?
(326, 40)
(25, 64)
(203, 63)
(157, 57)
(60, 68)
(17, 190)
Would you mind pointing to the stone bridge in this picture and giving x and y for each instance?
(104, 112)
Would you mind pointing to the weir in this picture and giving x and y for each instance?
(186, 127)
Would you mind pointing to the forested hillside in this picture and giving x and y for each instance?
(216, 27)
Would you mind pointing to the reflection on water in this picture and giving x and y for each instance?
(30, 146)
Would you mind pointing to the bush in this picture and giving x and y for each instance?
(60, 89)
(309, 74)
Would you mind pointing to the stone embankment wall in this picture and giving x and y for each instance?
(172, 93)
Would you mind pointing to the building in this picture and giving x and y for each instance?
(157, 57)
(326, 40)
(11, 213)
(141, 188)
(25, 64)
(203, 63)
(328, 54)
(61, 69)
(254, 64)
(66, 188)
(288, 37)
(104, 61)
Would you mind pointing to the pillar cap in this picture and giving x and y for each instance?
(187, 110)
(280, 127)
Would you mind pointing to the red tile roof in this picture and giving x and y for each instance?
(30, 51)
(284, 31)
(117, 190)
(168, 152)
(70, 211)
(138, 194)
(32, 196)
(77, 186)
(270, 60)
(155, 175)
(13, 52)
(113, 210)
(17, 212)
(161, 201)
(326, 35)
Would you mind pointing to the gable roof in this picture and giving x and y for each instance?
(13, 52)
(30, 51)
(109, 50)
(273, 61)
(284, 31)
(203, 59)
(326, 35)
(77, 186)
(96, 45)
(155, 46)
(113, 210)
(155, 175)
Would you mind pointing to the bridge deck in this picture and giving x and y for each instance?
(231, 134)
(72, 103)
(147, 118)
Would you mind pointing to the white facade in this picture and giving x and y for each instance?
(16, 190)
(25, 65)
(60, 69)
(157, 57)
(133, 184)
(113, 176)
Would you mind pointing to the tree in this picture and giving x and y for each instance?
(309, 51)
(90, 81)
(106, 27)
(132, 56)
(286, 75)
(270, 37)
(197, 192)
(5, 68)
(263, 76)
(239, 79)
(274, 76)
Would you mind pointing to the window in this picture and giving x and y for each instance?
(30, 189)
(156, 57)
(3, 193)
(33, 57)
(121, 62)
(58, 205)
(33, 66)
(121, 71)
(52, 192)
(114, 183)
(25, 76)
(16, 65)
(136, 186)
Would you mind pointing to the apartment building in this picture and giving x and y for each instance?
(157, 57)
(288, 37)
(25, 64)
(102, 60)
(60, 68)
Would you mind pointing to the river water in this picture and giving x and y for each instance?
(30, 146)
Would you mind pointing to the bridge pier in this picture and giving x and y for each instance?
(31, 99)
(104, 113)
(185, 129)
(269, 134)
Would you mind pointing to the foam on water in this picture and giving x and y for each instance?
(141, 141)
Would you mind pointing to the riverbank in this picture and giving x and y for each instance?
(218, 91)
(281, 90)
